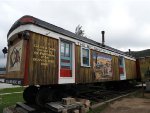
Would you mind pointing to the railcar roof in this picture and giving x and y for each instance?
(32, 20)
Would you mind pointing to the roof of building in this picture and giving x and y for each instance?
(32, 20)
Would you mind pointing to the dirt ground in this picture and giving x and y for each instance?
(130, 105)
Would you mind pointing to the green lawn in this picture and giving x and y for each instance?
(11, 99)
(10, 90)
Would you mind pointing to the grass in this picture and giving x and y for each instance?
(11, 99)
(10, 90)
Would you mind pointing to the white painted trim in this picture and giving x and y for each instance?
(55, 35)
(19, 29)
(124, 69)
(59, 62)
(73, 61)
(82, 57)
(124, 65)
(82, 44)
(65, 80)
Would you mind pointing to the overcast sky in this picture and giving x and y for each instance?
(126, 22)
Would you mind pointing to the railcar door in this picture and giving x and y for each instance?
(66, 62)
(122, 69)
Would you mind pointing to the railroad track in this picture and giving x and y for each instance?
(104, 95)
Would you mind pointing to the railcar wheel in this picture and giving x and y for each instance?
(44, 96)
(29, 94)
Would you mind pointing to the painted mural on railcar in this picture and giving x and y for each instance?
(15, 57)
(102, 65)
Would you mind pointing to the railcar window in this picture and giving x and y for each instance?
(65, 49)
(85, 57)
(120, 61)
(62, 49)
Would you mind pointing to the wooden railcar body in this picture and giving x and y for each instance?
(40, 53)
(143, 68)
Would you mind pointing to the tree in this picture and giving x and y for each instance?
(79, 30)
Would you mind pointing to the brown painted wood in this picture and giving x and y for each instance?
(130, 69)
(43, 62)
(86, 74)
(115, 68)
(144, 64)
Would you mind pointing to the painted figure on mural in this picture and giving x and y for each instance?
(15, 57)
(102, 66)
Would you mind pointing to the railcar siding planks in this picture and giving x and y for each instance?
(86, 74)
(115, 68)
(130, 69)
(43, 62)
(144, 67)
(83, 74)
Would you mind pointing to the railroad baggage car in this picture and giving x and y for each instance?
(43, 54)
(143, 68)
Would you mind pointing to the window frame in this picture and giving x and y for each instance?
(65, 48)
(82, 57)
